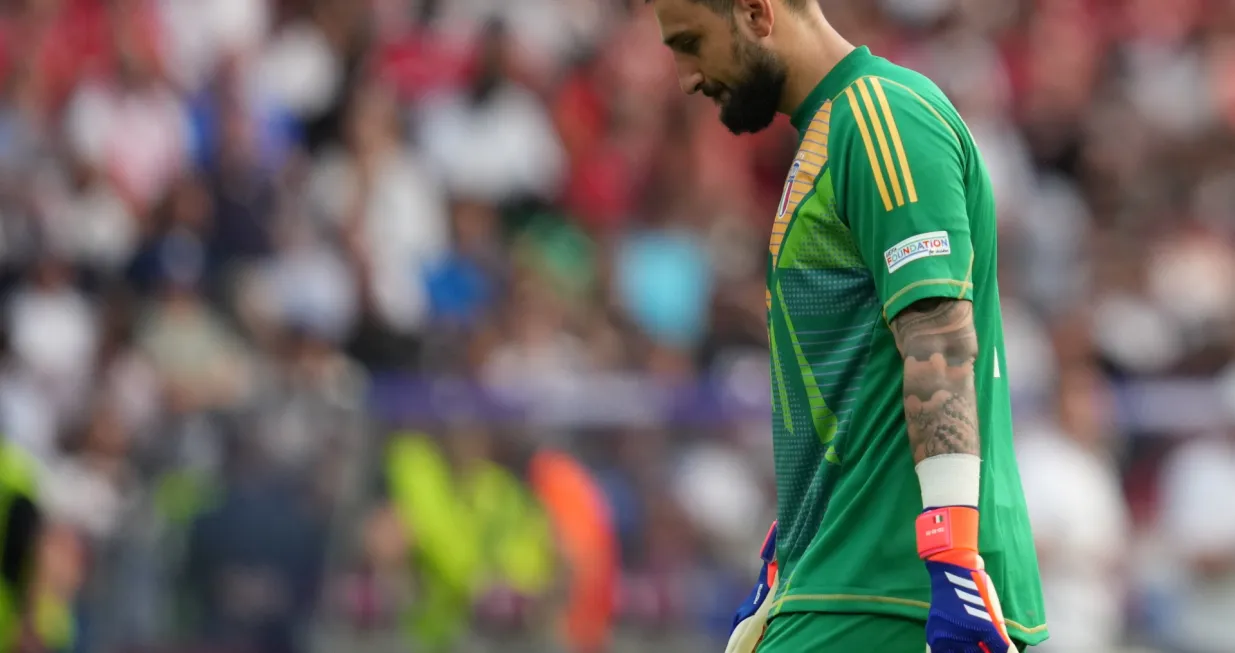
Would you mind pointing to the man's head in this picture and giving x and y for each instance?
(721, 48)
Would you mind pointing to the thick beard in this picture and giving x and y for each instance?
(751, 105)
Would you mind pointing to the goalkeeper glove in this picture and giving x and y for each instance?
(752, 616)
(965, 616)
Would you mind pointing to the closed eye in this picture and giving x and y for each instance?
(684, 43)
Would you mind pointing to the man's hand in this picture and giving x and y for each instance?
(965, 615)
(752, 616)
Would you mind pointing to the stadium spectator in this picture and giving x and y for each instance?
(1201, 533)
(1080, 520)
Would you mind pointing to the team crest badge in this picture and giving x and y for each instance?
(784, 196)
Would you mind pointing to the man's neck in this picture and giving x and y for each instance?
(814, 49)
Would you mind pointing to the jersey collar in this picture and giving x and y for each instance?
(834, 82)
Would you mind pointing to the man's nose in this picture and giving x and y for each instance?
(689, 78)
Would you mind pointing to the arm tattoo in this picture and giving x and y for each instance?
(937, 339)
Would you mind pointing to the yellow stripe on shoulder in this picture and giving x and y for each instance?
(877, 126)
(895, 133)
(864, 131)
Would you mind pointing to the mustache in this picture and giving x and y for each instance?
(713, 91)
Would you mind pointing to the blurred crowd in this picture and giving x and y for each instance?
(243, 242)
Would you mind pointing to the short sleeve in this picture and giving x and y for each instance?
(899, 177)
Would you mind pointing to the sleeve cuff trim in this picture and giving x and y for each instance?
(963, 287)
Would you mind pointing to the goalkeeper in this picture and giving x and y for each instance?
(901, 521)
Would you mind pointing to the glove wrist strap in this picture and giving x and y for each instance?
(952, 529)
(768, 552)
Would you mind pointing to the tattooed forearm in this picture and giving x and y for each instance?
(937, 339)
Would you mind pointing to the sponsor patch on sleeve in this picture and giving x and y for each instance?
(935, 243)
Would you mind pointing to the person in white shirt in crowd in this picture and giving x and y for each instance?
(496, 143)
(1079, 515)
(388, 204)
(1197, 525)
(54, 330)
(134, 126)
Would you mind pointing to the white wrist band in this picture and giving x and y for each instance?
(950, 479)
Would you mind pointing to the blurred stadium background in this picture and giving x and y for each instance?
(415, 325)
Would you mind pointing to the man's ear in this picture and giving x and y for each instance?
(755, 15)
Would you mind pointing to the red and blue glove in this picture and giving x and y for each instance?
(752, 616)
(965, 616)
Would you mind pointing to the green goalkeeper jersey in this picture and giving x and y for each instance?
(887, 202)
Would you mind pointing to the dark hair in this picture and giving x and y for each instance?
(723, 6)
